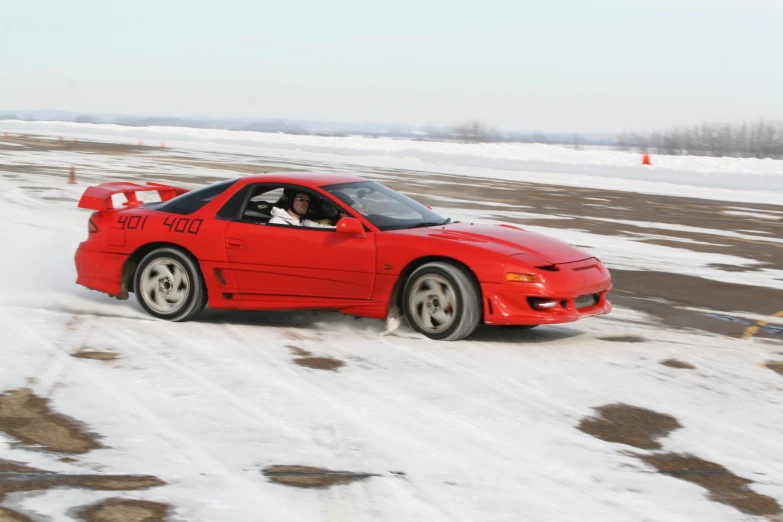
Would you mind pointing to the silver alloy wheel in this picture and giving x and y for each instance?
(165, 285)
(433, 303)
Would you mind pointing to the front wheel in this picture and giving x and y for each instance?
(169, 285)
(442, 302)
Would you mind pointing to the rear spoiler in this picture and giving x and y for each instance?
(99, 196)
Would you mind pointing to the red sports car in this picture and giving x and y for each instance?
(303, 240)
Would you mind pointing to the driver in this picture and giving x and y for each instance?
(294, 214)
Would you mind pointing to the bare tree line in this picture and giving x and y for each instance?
(472, 131)
(761, 139)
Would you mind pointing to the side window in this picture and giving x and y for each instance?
(268, 196)
(262, 199)
(251, 203)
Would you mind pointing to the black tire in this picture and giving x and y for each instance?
(169, 285)
(441, 301)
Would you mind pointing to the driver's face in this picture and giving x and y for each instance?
(301, 203)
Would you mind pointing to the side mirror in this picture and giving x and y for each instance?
(351, 226)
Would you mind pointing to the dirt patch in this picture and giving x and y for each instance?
(673, 243)
(320, 363)
(114, 482)
(17, 477)
(98, 356)
(74, 322)
(775, 366)
(674, 363)
(28, 418)
(629, 425)
(772, 342)
(40, 143)
(179, 178)
(667, 296)
(8, 515)
(58, 198)
(234, 167)
(8, 466)
(624, 339)
(121, 510)
(298, 351)
(309, 477)
(734, 268)
(724, 487)
(297, 336)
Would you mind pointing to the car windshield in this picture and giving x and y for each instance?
(383, 207)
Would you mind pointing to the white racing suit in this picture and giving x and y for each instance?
(282, 217)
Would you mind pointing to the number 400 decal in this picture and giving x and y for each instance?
(183, 225)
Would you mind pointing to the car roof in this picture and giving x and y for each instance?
(307, 179)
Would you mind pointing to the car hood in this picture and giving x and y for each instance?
(508, 239)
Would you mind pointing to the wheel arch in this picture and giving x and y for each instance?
(132, 263)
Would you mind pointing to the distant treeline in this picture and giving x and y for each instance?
(473, 131)
(476, 131)
(761, 139)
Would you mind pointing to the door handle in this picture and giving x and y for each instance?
(236, 244)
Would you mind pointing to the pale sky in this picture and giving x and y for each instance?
(570, 65)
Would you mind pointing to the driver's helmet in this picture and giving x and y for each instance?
(289, 196)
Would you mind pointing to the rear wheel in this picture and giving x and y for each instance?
(169, 285)
(442, 302)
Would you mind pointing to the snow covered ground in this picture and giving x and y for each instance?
(480, 430)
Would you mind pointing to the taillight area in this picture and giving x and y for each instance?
(92, 228)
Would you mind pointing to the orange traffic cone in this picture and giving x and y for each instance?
(646, 159)
(72, 179)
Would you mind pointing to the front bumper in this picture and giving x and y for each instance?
(573, 286)
(99, 270)
(514, 308)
